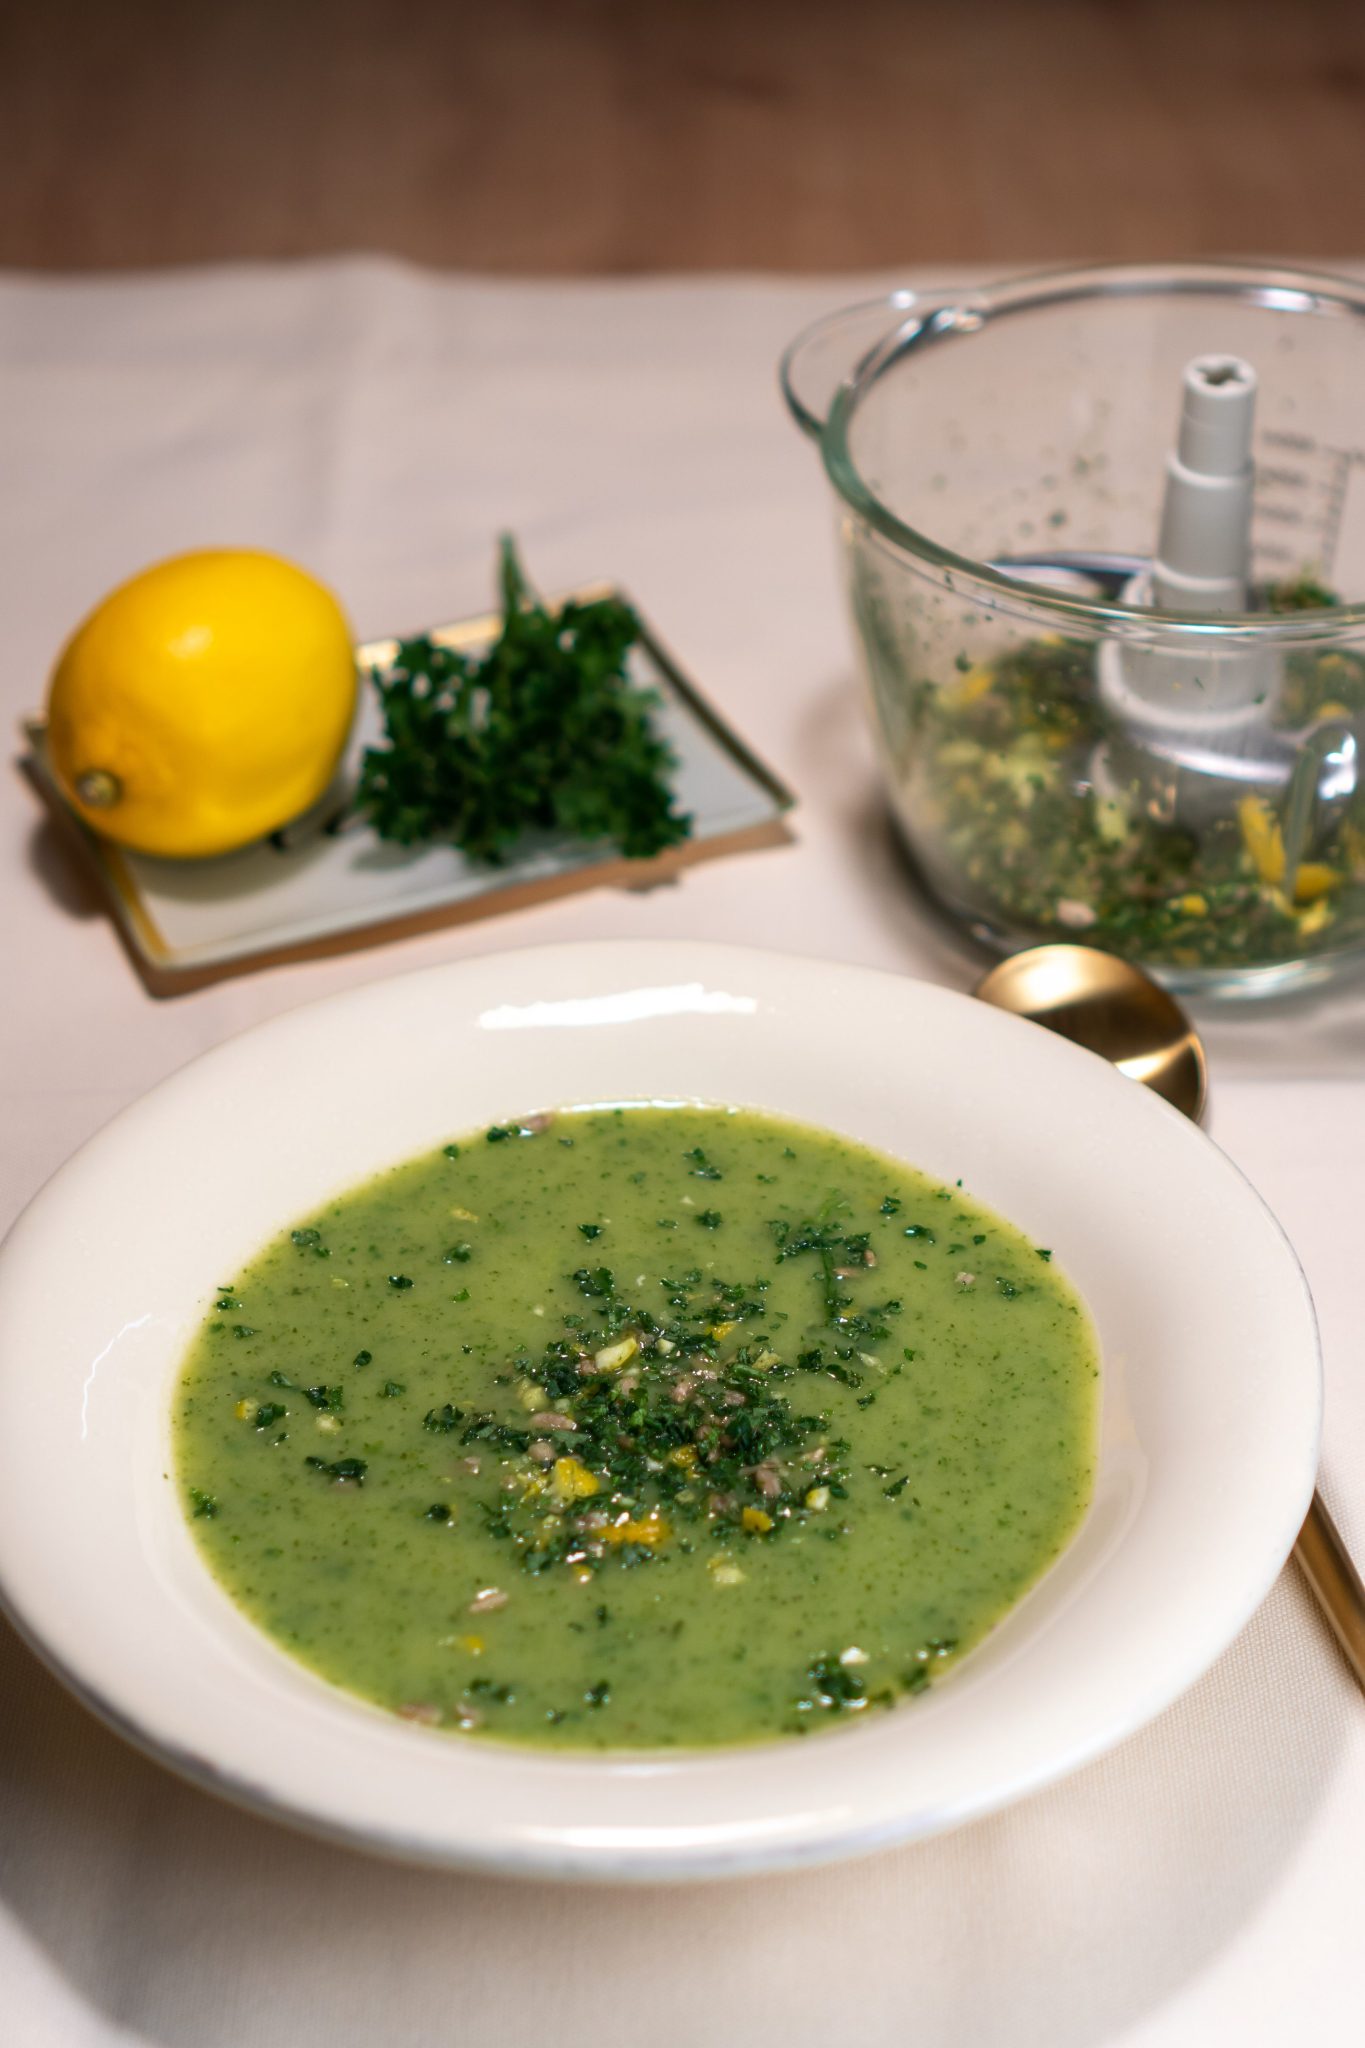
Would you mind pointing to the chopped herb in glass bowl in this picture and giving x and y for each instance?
(1011, 821)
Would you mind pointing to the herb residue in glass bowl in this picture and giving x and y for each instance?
(1005, 753)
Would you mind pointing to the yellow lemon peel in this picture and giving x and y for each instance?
(202, 704)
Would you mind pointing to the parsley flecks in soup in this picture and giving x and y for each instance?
(639, 1427)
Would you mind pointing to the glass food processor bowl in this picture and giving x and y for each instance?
(1104, 533)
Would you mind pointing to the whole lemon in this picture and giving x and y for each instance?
(203, 703)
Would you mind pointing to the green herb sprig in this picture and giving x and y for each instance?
(543, 732)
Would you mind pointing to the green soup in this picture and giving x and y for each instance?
(639, 1427)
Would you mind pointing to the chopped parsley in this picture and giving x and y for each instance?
(442, 1421)
(1035, 842)
(342, 1471)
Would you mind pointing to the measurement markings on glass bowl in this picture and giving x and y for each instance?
(1306, 490)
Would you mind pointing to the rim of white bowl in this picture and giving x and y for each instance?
(653, 1850)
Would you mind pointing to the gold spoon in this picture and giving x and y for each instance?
(1111, 1007)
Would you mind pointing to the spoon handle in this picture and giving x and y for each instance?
(1325, 1563)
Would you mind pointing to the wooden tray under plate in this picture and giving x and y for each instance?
(311, 890)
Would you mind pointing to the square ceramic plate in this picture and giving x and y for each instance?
(313, 890)
(1210, 1408)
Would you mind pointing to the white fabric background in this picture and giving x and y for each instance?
(1203, 1885)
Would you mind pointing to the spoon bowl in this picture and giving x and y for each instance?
(1111, 1007)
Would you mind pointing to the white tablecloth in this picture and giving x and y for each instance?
(1202, 1885)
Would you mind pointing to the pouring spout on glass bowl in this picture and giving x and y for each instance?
(833, 348)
